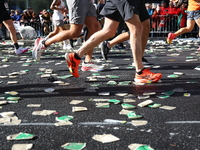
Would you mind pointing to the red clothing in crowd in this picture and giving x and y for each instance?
(172, 11)
(183, 16)
(164, 10)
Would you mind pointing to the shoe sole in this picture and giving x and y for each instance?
(69, 63)
(35, 47)
(143, 81)
(24, 51)
(102, 52)
(91, 69)
(169, 41)
(148, 81)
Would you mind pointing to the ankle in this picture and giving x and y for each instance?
(76, 56)
(43, 42)
(140, 72)
(108, 45)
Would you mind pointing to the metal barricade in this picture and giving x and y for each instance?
(161, 25)
(39, 27)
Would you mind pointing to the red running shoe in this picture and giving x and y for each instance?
(170, 37)
(72, 64)
(147, 77)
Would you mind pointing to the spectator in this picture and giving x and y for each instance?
(181, 12)
(12, 13)
(172, 10)
(172, 17)
(31, 14)
(24, 17)
(164, 8)
(164, 12)
(149, 9)
(46, 21)
(17, 16)
(156, 18)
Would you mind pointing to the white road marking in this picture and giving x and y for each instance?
(182, 122)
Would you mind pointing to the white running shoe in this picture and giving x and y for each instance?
(78, 42)
(38, 49)
(91, 67)
(21, 50)
(67, 47)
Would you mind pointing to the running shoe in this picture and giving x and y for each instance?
(105, 50)
(78, 42)
(119, 46)
(67, 47)
(144, 62)
(147, 77)
(21, 50)
(38, 49)
(170, 37)
(91, 67)
(72, 64)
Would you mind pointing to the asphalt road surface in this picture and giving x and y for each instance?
(175, 127)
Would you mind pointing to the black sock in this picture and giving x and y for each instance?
(16, 45)
(140, 72)
(76, 56)
(71, 43)
(43, 42)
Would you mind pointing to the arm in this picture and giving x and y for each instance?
(55, 4)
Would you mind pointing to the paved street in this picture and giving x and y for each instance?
(172, 126)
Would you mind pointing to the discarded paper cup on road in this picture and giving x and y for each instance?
(154, 105)
(133, 115)
(20, 136)
(11, 93)
(13, 98)
(137, 146)
(22, 146)
(74, 146)
(127, 106)
(145, 103)
(7, 114)
(49, 90)
(64, 118)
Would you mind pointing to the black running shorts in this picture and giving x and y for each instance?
(120, 9)
(4, 15)
(143, 14)
(124, 9)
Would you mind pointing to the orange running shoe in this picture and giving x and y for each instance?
(170, 37)
(72, 64)
(147, 77)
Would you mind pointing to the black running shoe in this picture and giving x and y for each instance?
(119, 46)
(105, 50)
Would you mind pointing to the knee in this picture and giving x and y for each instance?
(137, 31)
(74, 34)
(94, 28)
(189, 29)
(109, 34)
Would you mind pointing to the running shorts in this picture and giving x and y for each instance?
(79, 10)
(4, 15)
(58, 23)
(193, 15)
(124, 9)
